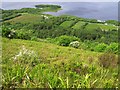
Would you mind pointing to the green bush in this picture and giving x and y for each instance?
(5, 31)
(8, 32)
(100, 47)
(88, 45)
(25, 34)
(113, 47)
(65, 40)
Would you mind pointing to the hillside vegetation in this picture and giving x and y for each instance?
(38, 64)
(47, 26)
(45, 51)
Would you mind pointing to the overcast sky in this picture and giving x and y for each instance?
(59, 0)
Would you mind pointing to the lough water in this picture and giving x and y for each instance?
(95, 10)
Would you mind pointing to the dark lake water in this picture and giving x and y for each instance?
(95, 10)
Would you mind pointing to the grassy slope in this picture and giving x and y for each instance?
(47, 65)
(102, 26)
(67, 24)
(107, 27)
(27, 18)
(46, 50)
(78, 25)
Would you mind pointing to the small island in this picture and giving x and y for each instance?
(48, 6)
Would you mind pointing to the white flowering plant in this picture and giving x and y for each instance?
(26, 57)
(75, 44)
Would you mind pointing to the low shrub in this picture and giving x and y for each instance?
(26, 57)
(65, 40)
(113, 47)
(25, 34)
(9, 33)
(107, 60)
(100, 47)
